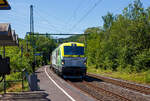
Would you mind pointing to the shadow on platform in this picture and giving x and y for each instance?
(87, 79)
(25, 96)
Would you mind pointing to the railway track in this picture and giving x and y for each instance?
(109, 93)
(109, 89)
(97, 92)
(133, 86)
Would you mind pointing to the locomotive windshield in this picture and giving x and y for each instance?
(73, 50)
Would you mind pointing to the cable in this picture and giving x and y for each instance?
(86, 14)
(74, 12)
(48, 22)
(39, 13)
(52, 16)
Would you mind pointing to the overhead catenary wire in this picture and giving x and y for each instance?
(20, 24)
(45, 27)
(45, 16)
(51, 26)
(12, 15)
(74, 11)
(60, 24)
(86, 14)
(85, 8)
(48, 22)
(52, 16)
(78, 8)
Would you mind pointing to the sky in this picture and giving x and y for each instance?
(61, 16)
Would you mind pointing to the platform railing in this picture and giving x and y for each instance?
(24, 76)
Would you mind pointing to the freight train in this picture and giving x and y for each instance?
(69, 61)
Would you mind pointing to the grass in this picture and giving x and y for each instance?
(18, 87)
(14, 86)
(142, 78)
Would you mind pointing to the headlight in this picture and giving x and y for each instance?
(63, 62)
(85, 61)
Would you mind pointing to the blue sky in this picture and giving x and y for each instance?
(60, 16)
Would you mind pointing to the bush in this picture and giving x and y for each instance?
(147, 77)
(142, 60)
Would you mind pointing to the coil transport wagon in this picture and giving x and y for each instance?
(68, 60)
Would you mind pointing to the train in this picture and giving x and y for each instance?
(68, 60)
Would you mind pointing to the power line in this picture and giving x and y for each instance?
(57, 34)
(45, 27)
(77, 8)
(86, 14)
(52, 16)
(56, 28)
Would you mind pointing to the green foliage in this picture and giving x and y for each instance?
(124, 41)
(45, 45)
(147, 78)
(16, 61)
(108, 20)
(75, 38)
(142, 60)
(19, 61)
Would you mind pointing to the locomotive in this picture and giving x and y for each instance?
(68, 60)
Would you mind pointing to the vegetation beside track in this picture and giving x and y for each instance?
(18, 87)
(142, 77)
(14, 86)
(18, 62)
(123, 43)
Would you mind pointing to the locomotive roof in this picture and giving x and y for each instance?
(70, 44)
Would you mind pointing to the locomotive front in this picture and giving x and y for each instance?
(73, 60)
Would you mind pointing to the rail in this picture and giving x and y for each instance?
(129, 85)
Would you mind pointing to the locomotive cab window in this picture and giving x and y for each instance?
(73, 50)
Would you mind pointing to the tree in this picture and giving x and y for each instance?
(124, 42)
(45, 45)
(108, 20)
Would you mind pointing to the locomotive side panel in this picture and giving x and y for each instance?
(54, 59)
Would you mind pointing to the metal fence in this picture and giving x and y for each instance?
(24, 76)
